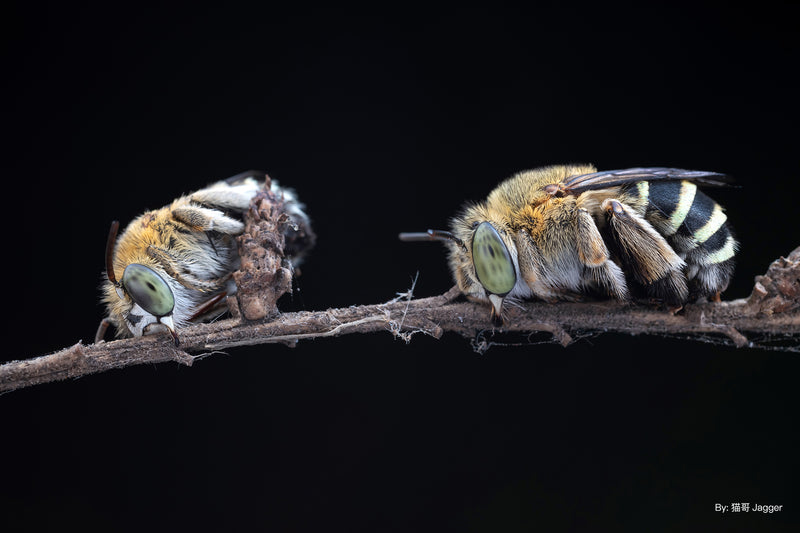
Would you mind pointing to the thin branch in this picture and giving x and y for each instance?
(772, 311)
(764, 313)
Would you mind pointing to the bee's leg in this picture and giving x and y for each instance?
(594, 254)
(531, 268)
(646, 254)
(247, 175)
(210, 306)
(563, 295)
(534, 273)
(707, 279)
(170, 264)
(205, 219)
(234, 196)
(102, 328)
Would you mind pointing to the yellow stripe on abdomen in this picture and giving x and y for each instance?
(715, 221)
(684, 205)
(643, 187)
(727, 251)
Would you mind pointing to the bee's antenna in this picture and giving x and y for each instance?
(432, 235)
(112, 237)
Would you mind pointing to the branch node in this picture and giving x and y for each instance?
(183, 358)
(778, 291)
(76, 351)
(739, 340)
(265, 275)
(561, 336)
(558, 332)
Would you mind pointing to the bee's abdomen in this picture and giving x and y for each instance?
(695, 226)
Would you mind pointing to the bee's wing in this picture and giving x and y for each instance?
(613, 178)
(239, 178)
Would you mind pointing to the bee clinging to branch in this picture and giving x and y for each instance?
(558, 232)
(174, 265)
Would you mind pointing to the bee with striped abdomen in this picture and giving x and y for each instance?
(175, 264)
(558, 232)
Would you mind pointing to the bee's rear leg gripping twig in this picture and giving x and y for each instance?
(264, 275)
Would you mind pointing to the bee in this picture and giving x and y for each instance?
(561, 232)
(174, 265)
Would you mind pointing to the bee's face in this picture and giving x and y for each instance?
(485, 264)
(146, 301)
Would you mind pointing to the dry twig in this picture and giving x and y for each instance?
(772, 310)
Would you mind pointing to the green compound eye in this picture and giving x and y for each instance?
(492, 261)
(148, 289)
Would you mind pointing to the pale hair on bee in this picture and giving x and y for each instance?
(174, 265)
(565, 231)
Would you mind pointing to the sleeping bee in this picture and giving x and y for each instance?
(174, 265)
(559, 232)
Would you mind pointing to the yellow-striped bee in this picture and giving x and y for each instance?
(174, 265)
(558, 232)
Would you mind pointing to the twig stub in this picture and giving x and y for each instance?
(264, 275)
(778, 291)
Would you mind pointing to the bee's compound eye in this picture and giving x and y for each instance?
(148, 289)
(493, 263)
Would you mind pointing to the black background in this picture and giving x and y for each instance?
(387, 121)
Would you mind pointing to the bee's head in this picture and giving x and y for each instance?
(483, 257)
(144, 300)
